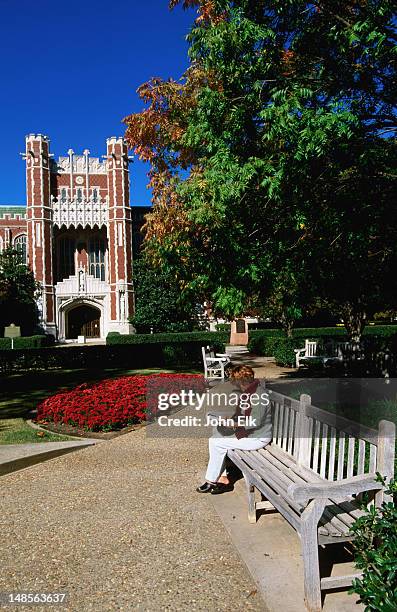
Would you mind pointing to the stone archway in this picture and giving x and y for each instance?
(83, 320)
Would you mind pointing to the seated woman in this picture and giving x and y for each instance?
(251, 429)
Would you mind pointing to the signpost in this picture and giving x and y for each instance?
(12, 331)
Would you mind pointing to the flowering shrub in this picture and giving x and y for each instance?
(110, 404)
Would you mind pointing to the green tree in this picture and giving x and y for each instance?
(18, 290)
(259, 155)
(159, 306)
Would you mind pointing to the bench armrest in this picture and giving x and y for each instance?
(340, 489)
(215, 359)
(222, 355)
(302, 350)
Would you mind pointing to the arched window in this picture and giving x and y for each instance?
(20, 245)
(65, 258)
(95, 195)
(79, 195)
(97, 250)
(64, 195)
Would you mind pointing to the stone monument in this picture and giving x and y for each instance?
(239, 332)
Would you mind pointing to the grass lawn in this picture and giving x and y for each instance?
(17, 431)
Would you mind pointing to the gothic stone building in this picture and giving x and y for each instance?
(76, 234)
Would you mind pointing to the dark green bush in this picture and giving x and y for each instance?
(182, 337)
(284, 352)
(282, 349)
(27, 342)
(33, 341)
(375, 548)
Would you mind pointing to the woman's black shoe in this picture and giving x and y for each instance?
(206, 487)
(220, 487)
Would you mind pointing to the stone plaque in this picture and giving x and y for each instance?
(12, 331)
(240, 326)
(239, 332)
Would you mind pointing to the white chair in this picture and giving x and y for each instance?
(308, 352)
(214, 364)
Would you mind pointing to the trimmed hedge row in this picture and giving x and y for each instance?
(319, 332)
(114, 338)
(27, 342)
(281, 348)
(99, 357)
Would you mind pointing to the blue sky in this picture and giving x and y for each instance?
(70, 70)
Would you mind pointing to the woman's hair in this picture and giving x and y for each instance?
(242, 372)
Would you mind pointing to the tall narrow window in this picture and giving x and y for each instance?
(97, 257)
(95, 195)
(65, 258)
(79, 195)
(20, 245)
(63, 195)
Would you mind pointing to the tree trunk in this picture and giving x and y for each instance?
(354, 319)
(287, 324)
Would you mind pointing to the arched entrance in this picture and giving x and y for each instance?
(83, 320)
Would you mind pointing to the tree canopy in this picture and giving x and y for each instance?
(273, 157)
(159, 304)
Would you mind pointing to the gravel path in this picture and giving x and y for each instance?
(120, 527)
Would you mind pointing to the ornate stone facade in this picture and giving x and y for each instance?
(76, 233)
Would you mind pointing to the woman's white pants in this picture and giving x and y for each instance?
(218, 448)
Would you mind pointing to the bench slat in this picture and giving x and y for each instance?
(316, 445)
(291, 432)
(280, 425)
(276, 414)
(331, 458)
(350, 457)
(324, 449)
(361, 457)
(341, 455)
(285, 427)
(372, 457)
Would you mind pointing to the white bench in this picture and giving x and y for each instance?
(311, 472)
(214, 364)
(309, 351)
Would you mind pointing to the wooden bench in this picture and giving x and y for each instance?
(214, 364)
(311, 473)
(309, 352)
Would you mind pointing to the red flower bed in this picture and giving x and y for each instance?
(110, 404)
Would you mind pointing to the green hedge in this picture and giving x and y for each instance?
(136, 355)
(27, 342)
(282, 349)
(114, 338)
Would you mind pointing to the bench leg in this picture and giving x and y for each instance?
(251, 500)
(311, 569)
